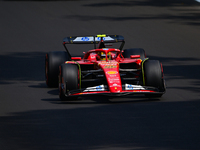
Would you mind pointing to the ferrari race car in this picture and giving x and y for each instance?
(102, 70)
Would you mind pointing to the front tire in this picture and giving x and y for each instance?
(153, 76)
(68, 77)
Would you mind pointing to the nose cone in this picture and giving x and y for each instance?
(111, 71)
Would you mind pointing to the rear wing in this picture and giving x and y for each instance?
(94, 40)
(101, 38)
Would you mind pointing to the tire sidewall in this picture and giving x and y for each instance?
(52, 62)
(153, 75)
(68, 79)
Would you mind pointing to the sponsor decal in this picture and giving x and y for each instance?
(95, 88)
(99, 88)
(80, 39)
(112, 75)
(99, 38)
(84, 39)
(115, 85)
(114, 80)
(110, 66)
(103, 62)
(111, 72)
(108, 38)
(91, 39)
(105, 48)
(108, 63)
(133, 87)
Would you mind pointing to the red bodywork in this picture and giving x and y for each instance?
(110, 69)
(115, 75)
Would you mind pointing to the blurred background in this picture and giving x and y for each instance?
(33, 117)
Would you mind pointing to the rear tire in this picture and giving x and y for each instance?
(154, 76)
(134, 51)
(52, 62)
(68, 77)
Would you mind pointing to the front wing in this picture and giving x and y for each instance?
(127, 89)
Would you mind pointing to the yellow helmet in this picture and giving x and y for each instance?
(102, 55)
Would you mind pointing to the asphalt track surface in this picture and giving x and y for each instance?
(33, 118)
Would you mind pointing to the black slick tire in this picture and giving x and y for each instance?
(153, 76)
(68, 77)
(52, 62)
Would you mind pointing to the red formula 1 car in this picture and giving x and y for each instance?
(107, 71)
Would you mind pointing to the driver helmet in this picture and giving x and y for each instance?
(103, 55)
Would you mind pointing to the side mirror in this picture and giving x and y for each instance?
(134, 56)
(76, 58)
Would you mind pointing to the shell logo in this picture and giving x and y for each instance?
(112, 72)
